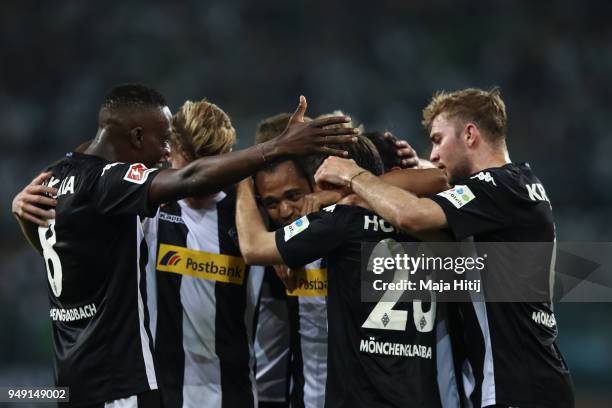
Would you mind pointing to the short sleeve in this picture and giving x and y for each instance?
(473, 207)
(123, 189)
(309, 238)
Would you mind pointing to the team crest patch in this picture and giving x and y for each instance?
(458, 195)
(137, 173)
(296, 227)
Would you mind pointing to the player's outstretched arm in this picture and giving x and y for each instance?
(257, 245)
(211, 174)
(29, 208)
(420, 182)
(417, 216)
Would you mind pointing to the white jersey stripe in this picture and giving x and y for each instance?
(202, 366)
(150, 234)
(447, 382)
(488, 382)
(129, 402)
(488, 396)
(144, 337)
(313, 345)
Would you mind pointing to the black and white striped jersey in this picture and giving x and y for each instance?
(511, 358)
(94, 252)
(307, 306)
(204, 308)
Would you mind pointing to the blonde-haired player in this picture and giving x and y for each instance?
(201, 329)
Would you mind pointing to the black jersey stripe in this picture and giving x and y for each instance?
(169, 333)
(231, 342)
(297, 360)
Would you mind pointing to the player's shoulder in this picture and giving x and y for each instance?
(504, 176)
(57, 164)
(83, 165)
(331, 217)
(516, 180)
(491, 183)
(494, 180)
(344, 210)
(71, 174)
(342, 214)
(509, 183)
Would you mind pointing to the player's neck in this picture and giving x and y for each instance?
(491, 158)
(101, 147)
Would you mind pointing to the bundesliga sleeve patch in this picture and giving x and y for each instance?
(296, 227)
(137, 173)
(458, 195)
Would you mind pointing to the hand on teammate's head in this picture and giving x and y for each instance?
(303, 138)
(336, 172)
(408, 156)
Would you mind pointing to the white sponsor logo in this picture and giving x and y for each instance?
(330, 208)
(536, 192)
(544, 318)
(108, 167)
(484, 176)
(458, 195)
(171, 218)
(386, 348)
(137, 173)
(296, 227)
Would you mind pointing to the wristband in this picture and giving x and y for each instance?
(351, 180)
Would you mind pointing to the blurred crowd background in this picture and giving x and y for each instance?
(378, 61)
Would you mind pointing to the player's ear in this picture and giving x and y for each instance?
(136, 137)
(472, 135)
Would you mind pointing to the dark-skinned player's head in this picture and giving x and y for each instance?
(135, 120)
(386, 148)
(363, 151)
(281, 186)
